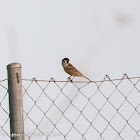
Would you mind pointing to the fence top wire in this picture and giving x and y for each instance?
(106, 79)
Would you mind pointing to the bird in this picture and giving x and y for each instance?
(71, 70)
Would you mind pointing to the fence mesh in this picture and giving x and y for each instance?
(4, 111)
(81, 110)
(100, 110)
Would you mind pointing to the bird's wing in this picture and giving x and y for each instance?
(74, 70)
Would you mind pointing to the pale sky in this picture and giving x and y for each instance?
(99, 37)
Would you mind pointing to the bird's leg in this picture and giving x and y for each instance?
(73, 77)
(69, 78)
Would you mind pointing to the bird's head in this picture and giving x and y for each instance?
(65, 61)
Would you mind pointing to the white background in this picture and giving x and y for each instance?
(99, 37)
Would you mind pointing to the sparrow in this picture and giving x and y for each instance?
(71, 70)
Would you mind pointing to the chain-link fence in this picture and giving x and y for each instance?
(100, 110)
(81, 110)
(4, 111)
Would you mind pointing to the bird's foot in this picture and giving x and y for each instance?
(69, 79)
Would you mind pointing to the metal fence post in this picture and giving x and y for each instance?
(15, 101)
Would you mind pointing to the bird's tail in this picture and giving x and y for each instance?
(86, 78)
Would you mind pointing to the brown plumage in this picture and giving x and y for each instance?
(70, 69)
